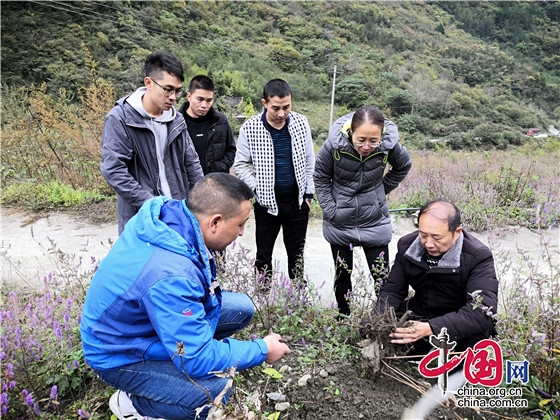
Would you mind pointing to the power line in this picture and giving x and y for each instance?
(91, 14)
(225, 46)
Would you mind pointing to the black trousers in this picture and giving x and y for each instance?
(293, 220)
(344, 262)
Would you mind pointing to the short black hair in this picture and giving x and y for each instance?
(453, 214)
(201, 82)
(158, 62)
(367, 114)
(218, 192)
(276, 87)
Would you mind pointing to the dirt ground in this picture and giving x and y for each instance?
(338, 391)
(343, 392)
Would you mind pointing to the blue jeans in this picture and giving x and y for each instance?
(159, 389)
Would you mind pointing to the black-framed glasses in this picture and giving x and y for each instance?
(168, 91)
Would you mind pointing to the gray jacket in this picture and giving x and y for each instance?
(352, 189)
(129, 161)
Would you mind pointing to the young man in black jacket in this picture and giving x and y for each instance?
(209, 129)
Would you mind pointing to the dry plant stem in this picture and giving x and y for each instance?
(403, 378)
(180, 352)
(266, 385)
(419, 356)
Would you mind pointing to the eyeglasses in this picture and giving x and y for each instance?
(168, 91)
(358, 143)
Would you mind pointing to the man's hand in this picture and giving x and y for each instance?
(276, 349)
(415, 332)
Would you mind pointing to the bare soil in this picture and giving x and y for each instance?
(348, 391)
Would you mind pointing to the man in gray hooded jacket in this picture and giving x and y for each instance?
(147, 150)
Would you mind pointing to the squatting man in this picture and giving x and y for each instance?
(453, 277)
(156, 288)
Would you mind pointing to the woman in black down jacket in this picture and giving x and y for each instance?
(352, 183)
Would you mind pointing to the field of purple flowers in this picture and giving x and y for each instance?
(44, 375)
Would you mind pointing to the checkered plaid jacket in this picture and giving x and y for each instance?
(254, 160)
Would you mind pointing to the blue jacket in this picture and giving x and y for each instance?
(154, 290)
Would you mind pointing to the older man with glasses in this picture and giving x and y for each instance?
(147, 150)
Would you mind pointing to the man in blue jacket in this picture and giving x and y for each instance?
(155, 323)
(146, 149)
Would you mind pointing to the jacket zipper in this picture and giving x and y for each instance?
(362, 161)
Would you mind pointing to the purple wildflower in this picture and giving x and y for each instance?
(54, 392)
(56, 330)
(29, 400)
(83, 414)
(4, 400)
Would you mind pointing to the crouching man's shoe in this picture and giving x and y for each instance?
(122, 407)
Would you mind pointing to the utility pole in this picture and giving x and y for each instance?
(332, 96)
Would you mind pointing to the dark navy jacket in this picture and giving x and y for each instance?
(220, 144)
(443, 295)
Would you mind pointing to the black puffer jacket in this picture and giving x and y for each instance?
(443, 294)
(220, 143)
(352, 189)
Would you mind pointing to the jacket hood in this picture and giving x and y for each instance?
(135, 100)
(338, 135)
(169, 224)
(451, 259)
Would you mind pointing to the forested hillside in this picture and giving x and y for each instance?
(473, 73)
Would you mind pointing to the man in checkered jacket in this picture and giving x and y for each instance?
(275, 157)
